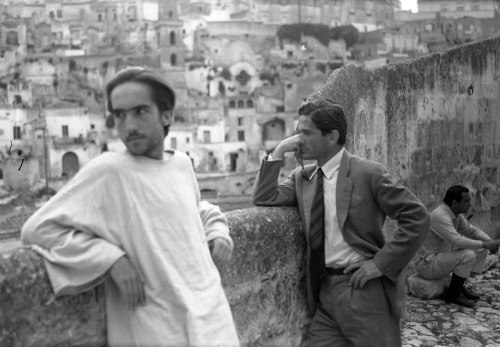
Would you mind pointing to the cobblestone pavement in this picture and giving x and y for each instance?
(437, 323)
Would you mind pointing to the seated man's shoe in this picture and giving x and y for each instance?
(470, 293)
(458, 298)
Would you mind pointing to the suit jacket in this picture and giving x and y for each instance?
(366, 194)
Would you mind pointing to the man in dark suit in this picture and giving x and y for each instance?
(354, 276)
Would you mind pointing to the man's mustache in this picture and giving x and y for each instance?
(134, 136)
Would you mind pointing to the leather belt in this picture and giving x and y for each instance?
(335, 271)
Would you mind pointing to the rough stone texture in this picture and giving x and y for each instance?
(30, 315)
(491, 261)
(264, 283)
(426, 289)
(434, 323)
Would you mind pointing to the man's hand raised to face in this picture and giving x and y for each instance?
(290, 144)
(129, 283)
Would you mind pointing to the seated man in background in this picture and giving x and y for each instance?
(454, 245)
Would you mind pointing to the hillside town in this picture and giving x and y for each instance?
(240, 70)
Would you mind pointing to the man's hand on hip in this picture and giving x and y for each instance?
(365, 271)
(221, 250)
(129, 283)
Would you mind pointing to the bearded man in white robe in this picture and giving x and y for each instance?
(134, 221)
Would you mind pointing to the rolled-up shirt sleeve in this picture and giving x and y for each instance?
(444, 227)
(470, 231)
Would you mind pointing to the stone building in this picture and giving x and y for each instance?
(16, 148)
(456, 9)
(73, 138)
(13, 36)
(364, 15)
(169, 35)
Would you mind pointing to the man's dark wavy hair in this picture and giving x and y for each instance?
(161, 93)
(327, 116)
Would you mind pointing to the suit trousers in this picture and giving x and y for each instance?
(460, 261)
(348, 316)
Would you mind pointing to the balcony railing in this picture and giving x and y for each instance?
(68, 141)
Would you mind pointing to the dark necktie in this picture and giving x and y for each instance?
(317, 237)
(317, 226)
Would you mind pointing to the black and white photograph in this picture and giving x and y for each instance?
(249, 173)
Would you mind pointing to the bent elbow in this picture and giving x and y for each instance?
(26, 235)
(29, 232)
(257, 199)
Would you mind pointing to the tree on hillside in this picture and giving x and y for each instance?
(346, 32)
(294, 32)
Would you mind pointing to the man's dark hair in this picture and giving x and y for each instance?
(454, 193)
(161, 93)
(327, 116)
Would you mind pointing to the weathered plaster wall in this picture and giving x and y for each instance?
(264, 285)
(433, 122)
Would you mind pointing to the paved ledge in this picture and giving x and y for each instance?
(434, 323)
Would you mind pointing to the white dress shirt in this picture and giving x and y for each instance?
(337, 252)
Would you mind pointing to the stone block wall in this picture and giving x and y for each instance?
(31, 316)
(264, 283)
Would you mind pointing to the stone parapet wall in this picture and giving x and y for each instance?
(30, 315)
(264, 283)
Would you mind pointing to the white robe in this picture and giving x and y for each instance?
(149, 210)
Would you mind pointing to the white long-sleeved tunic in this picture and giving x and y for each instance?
(148, 210)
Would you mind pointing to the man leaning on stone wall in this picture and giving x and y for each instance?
(455, 246)
(133, 220)
(354, 275)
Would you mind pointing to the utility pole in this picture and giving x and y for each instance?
(42, 125)
(44, 129)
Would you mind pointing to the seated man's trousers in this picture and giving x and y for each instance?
(462, 262)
